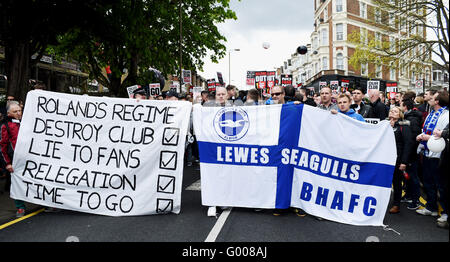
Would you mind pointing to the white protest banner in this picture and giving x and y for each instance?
(334, 85)
(131, 89)
(250, 81)
(391, 90)
(373, 85)
(197, 94)
(175, 86)
(344, 85)
(155, 89)
(305, 160)
(373, 121)
(109, 156)
(187, 77)
(322, 84)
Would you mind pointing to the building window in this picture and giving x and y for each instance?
(378, 39)
(378, 15)
(339, 32)
(364, 69)
(392, 20)
(363, 36)
(324, 37)
(378, 72)
(340, 61)
(392, 72)
(391, 44)
(363, 10)
(339, 7)
(325, 63)
(315, 43)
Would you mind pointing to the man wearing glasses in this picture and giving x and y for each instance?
(358, 105)
(277, 95)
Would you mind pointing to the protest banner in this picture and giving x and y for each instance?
(391, 90)
(261, 80)
(344, 85)
(155, 89)
(322, 84)
(373, 121)
(211, 84)
(197, 94)
(270, 80)
(334, 85)
(109, 156)
(306, 160)
(187, 77)
(175, 86)
(220, 79)
(250, 81)
(373, 85)
(131, 89)
(286, 80)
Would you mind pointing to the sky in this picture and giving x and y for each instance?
(284, 24)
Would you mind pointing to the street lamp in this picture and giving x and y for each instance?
(229, 63)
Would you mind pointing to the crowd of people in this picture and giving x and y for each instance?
(415, 119)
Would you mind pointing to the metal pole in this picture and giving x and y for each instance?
(229, 67)
(181, 40)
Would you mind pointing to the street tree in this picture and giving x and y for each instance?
(133, 36)
(28, 27)
(413, 32)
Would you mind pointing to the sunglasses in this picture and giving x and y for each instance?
(277, 94)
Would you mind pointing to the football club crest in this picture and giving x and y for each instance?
(231, 123)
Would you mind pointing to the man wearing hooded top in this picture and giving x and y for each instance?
(343, 102)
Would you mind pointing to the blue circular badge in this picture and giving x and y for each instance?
(231, 123)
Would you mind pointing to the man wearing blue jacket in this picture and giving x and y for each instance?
(343, 103)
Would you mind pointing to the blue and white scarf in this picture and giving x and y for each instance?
(431, 122)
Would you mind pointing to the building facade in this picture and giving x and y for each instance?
(331, 49)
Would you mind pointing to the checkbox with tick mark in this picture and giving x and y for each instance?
(166, 184)
(171, 136)
(168, 160)
(164, 205)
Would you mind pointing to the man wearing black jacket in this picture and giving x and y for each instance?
(414, 117)
(379, 109)
(358, 105)
(306, 99)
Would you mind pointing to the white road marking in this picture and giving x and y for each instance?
(218, 226)
(196, 186)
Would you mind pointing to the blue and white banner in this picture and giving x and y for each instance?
(282, 156)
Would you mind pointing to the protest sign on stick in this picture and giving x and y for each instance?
(109, 156)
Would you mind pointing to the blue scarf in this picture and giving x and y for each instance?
(430, 123)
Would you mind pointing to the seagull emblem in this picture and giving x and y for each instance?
(231, 123)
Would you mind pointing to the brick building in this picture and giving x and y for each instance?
(330, 50)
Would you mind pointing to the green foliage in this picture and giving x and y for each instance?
(131, 36)
(370, 51)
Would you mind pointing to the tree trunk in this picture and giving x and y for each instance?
(18, 69)
(115, 86)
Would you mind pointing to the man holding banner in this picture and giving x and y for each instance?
(108, 156)
(437, 120)
(304, 161)
(9, 134)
